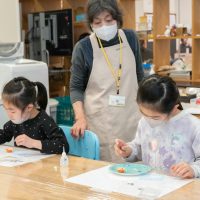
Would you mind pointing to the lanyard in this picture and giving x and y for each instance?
(119, 73)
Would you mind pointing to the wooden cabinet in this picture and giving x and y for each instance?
(162, 44)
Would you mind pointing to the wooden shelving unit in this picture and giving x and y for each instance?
(171, 38)
(196, 40)
(162, 44)
(128, 10)
(31, 6)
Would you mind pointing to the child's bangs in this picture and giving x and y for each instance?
(12, 99)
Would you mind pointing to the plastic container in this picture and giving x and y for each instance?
(80, 14)
(64, 162)
(65, 113)
(64, 159)
(147, 69)
(53, 103)
(80, 18)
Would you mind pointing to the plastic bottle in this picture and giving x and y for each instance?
(167, 31)
(64, 165)
(64, 159)
(147, 69)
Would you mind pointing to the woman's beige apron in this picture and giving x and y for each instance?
(110, 122)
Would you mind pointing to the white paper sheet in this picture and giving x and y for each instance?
(150, 185)
(19, 156)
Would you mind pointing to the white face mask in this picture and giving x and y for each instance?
(22, 119)
(154, 123)
(106, 32)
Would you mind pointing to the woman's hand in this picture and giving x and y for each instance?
(183, 170)
(79, 127)
(122, 149)
(24, 140)
(81, 123)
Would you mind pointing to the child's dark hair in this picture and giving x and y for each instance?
(21, 92)
(160, 93)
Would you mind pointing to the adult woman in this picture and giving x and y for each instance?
(106, 69)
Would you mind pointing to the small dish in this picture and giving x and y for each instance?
(129, 169)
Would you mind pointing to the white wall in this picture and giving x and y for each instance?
(184, 12)
(147, 5)
(9, 21)
(182, 9)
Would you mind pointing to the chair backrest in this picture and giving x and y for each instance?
(86, 146)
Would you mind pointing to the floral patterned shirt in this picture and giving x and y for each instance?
(177, 140)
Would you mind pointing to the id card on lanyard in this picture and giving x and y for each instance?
(117, 100)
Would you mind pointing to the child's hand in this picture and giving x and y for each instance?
(182, 170)
(122, 149)
(24, 140)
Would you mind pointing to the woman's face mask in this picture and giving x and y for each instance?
(104, 26)
(106, 32)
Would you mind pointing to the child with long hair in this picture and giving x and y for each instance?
(25, 103)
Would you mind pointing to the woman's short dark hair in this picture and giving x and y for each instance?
(95, 7)
(159, 93)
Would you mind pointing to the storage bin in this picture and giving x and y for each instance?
(146, 68)
(65, 113)
(53, 103)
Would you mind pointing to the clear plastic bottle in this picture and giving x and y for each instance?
(64, 165)
(64, 159)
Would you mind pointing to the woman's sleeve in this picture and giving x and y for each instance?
(138, 59)
(55, 138)
(79, 74)
(135, 46)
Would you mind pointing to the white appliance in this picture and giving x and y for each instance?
(10, 21)
(9, 52)
(30, 69)
(12, 51)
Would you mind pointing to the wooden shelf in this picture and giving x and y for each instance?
(172, 38)
(161, 47)
(196, 37)
(80, 24)
(188, 83)
(30, 6)
(182, 80)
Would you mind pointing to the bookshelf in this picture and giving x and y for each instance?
(162, 44)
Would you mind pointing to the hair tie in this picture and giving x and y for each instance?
(15, 80)
(34, 84)
(36, 88)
